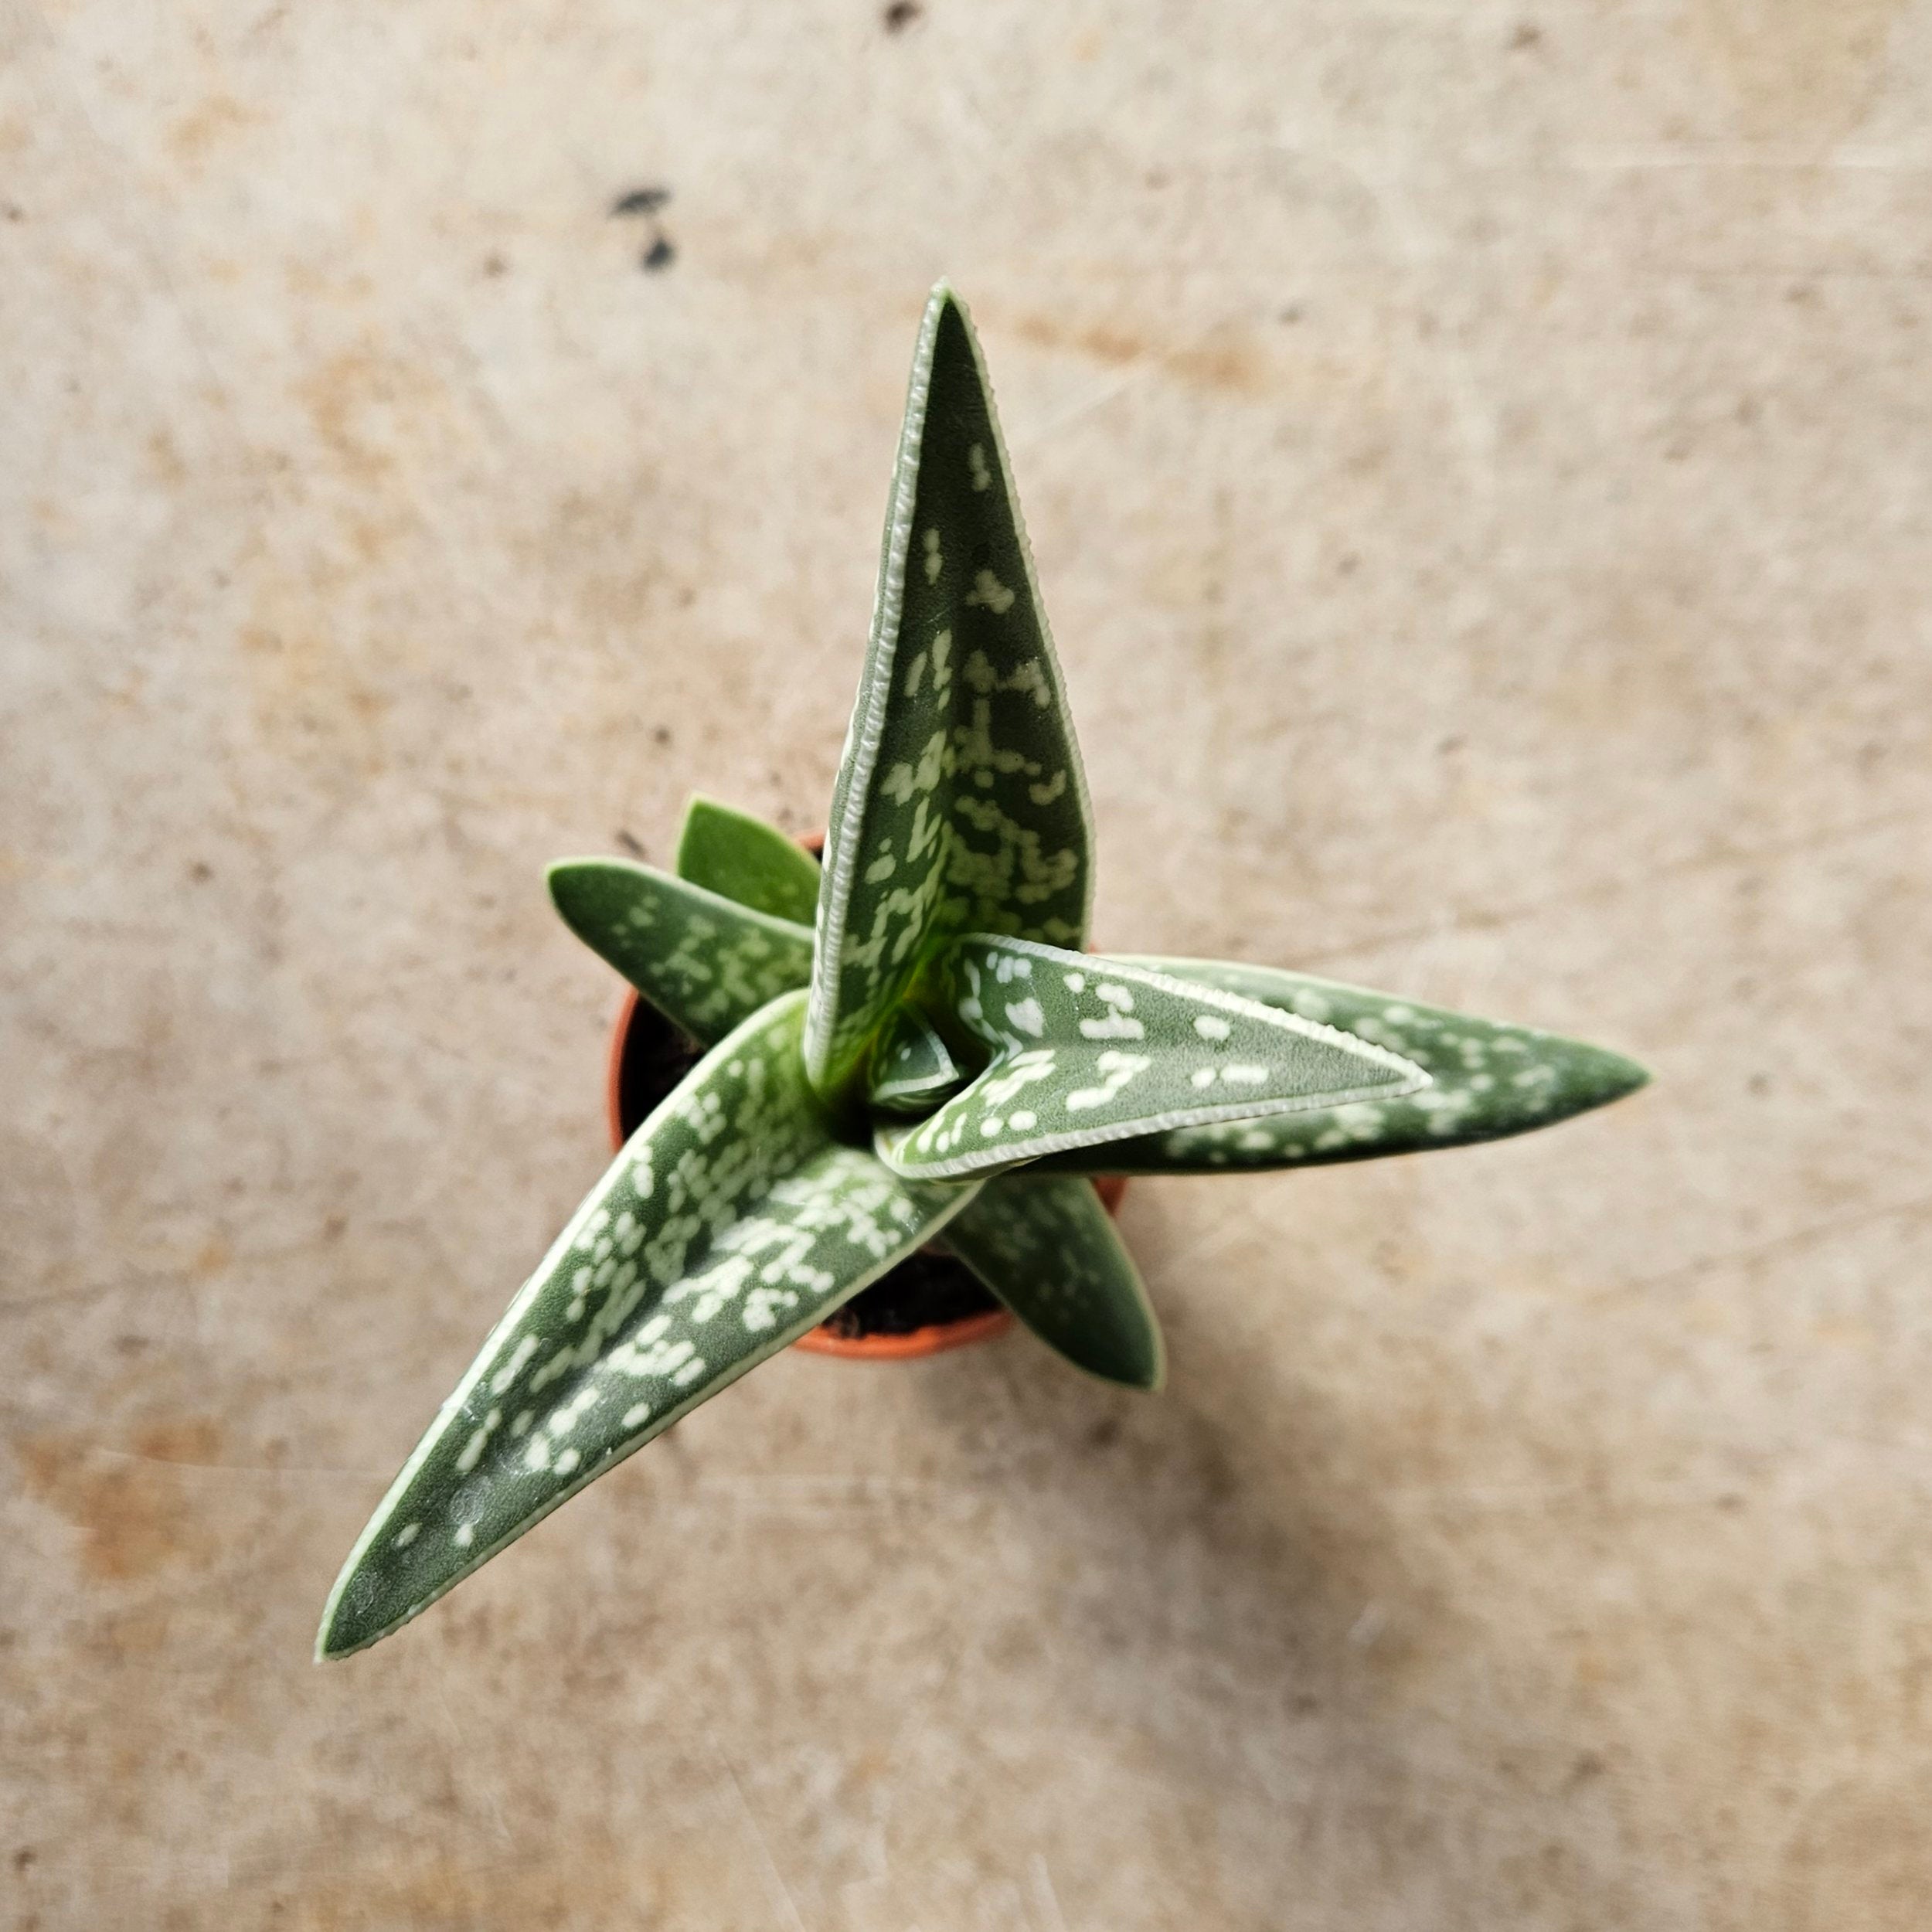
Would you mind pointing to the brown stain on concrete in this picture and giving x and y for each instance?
(1860, 1855)
(212, 1258)
(165, 455)
(334, 283)
(1801, 71)
(328, 627)
(219, 119)
(311, 681)
(342, 396)
(135, 1513)
(1230, 361)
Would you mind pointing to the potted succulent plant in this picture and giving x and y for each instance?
(910, 1044)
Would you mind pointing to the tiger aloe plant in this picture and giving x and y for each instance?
(910, 1043)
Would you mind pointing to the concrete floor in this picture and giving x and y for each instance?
(1479, 459)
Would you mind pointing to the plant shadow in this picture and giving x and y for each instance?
(1205, 1586)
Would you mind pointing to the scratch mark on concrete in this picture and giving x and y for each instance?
(784, 1907)
(1045, 1900)
(1486, 919)
(1747, 1257)
(465, 1755)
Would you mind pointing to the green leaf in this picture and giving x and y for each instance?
(706, 962)
(732, 1222)
(1049, 1250)
(912, 1072)
(1487, 1080)
(960, 805)
(741, 858)
(1088, 1050)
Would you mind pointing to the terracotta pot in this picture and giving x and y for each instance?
(981, 1326)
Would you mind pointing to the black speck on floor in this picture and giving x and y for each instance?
(900, 16)
(660, 254)
(630, 842)
(640, 201)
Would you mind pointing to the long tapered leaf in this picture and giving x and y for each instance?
(741, 858)
(1049, 1250)
(706, 961)
(1487, 1080)
(1087, 1050)
(732, 1222)
(960, 805)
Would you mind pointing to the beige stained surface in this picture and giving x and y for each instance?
(1479, 459)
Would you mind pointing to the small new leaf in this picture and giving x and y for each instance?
(742, 858)
(1049, 1250)
(959, 804)
(912, 1071)
(1486, 1080)
(1086, 1051)
(707, 963)
(732, 1222)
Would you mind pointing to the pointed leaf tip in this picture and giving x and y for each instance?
(732, 1222)
(741, 858)
(1049, 1250)
(1619, 1075)
(706, 962)
(1487, 1080)
(960, 803)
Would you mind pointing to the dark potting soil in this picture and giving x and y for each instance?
(924, 1290)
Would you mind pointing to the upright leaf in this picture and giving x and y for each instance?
(1487, 1080)
(960, 805)
(1088, 1050)
(707, 962)
(741, 858)
(1048, 1249)
(732, 1222)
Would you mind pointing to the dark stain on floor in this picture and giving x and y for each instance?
(646, 204)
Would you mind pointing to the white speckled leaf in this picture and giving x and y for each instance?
(1049, 1250)
(742, 858)
(912, 1071)
(1487, 1080)
(960, 805)
(732, 1222)
(1088, 1050)
(706, 962)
